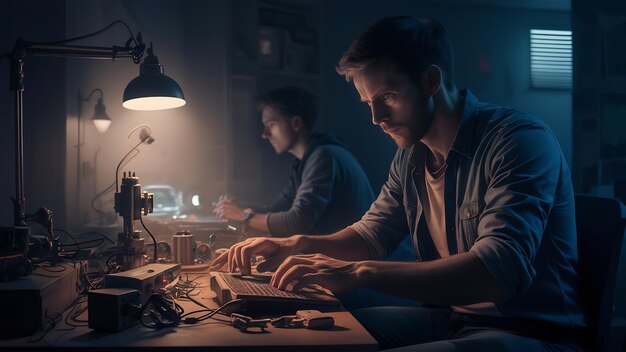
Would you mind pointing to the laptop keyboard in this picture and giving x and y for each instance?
(259, 286)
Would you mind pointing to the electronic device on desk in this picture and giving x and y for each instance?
(113, 309)
(259, 295)
(204, 226)
(29, 301)
(193, 256)
(146, 279)
(130, 203)
(18, 246)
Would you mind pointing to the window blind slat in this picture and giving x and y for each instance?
(551, 58)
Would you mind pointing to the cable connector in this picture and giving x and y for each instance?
(191, 320)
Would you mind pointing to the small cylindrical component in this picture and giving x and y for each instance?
(183, 248)
(203, 251)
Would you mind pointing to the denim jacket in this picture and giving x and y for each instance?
(508, 199)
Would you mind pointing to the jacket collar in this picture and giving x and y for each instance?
(463, 141)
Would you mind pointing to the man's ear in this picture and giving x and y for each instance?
(434, 79)
(297, 123)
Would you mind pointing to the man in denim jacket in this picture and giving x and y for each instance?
(485, 193)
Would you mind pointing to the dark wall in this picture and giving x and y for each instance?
(498, 35)
(600, 96)
(44, 110)
(192, 40)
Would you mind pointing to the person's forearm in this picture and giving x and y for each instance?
(456, 280)
(258, 223)
(345, 245)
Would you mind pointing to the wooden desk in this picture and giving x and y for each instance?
(209, 335)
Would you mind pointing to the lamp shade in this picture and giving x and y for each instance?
(102, 125)
(100, 117)
(152, 89)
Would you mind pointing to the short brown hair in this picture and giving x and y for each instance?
(410, 43)
(292, 101)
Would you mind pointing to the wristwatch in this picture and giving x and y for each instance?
(247, 215)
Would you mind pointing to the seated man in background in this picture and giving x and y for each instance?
(327, 189)
(485, 192)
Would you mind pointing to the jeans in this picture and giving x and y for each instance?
(439, 329)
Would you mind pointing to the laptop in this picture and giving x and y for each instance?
(257, 293)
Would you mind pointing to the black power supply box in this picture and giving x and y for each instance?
(113, 309)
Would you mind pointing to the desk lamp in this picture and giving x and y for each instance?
(152, 90)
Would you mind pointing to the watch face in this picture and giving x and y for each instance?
(247, 214)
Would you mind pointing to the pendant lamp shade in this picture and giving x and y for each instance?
(152, 89)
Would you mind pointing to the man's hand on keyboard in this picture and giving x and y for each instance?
(274, 250)
(299, 271)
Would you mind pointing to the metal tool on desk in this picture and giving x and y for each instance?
(244, 322)
(130, 203)
(310, 319)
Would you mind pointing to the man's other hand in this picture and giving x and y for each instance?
(227, 208)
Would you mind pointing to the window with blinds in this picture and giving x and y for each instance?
(551, 59)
